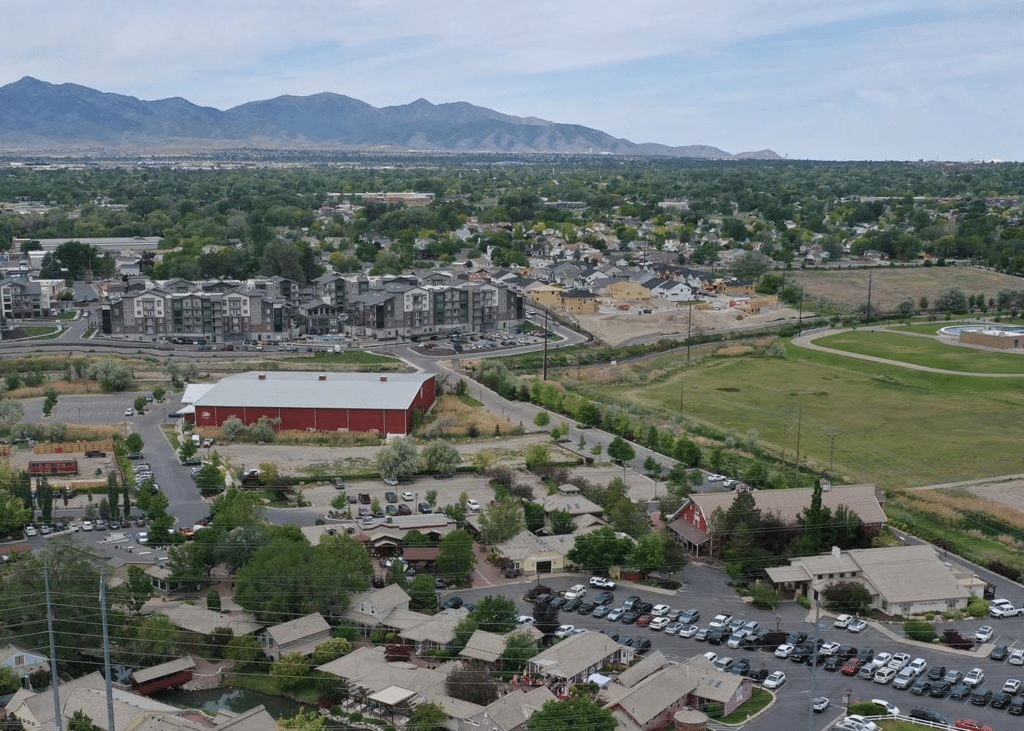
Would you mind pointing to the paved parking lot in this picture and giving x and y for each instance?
(706, 590)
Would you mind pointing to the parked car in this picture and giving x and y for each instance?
(1016, 657)
(960, 691)
(981, 696)
(999, 653)
(940, 688)
(926, 714)
(842, 621)
(857, 625)
(602, 582)
(969, 724)
(975, 677)
(820, 704)
(575, 591)
(922, 686)
(473, 505)
(884, 676)
(1001, 699)
(984, 634)
(1011, 686)
(775, 681)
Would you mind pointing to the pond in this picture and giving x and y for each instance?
(237, 700)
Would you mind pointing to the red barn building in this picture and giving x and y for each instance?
(313, 401)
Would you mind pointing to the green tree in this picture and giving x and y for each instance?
(155, 639)
(456, 559)
(244, 651)
(621, 451)
(9, 682)
(137, 589)
(213, 600)
(140, 404)
(562, 522)
(535, 516)
(210, 480)
(329, 650)
(422, 595)
(519, 648)
(304, 720)
(187, 450)
(134, 442)
(501, 521)
(472, 686)
(542, 419)
(649, 553)
(599, 550)
(11, 411)
(397, 459)
(80, 721)
(427, 717)
(573, 713)
(232, 427)
(848, 597)
(112, 375)
(537, 455)
(236, 509)
(13, 513)
(291, 671)
(495, 614)
(440, 458)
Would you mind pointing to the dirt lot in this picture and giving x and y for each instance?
(1008, 492)
(627, 327)
(890, 286)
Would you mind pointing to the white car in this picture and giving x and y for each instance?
(884, 676)
(1016, 657)
(577, 591)
(1004, 610)
(775, 681)
(1011, 686)
(30, 531)
(974, 678)
(660, 610)
(918, 665)
(602, 582)
(408, 496)
(688, 630)
(143, 537)
(857, 625)
(899, 661)
(784, 651)
(710, 656)
(842, 621)
(473, 505)
(716, 478)
(882, 659)
(829, 649)
(564, 630)
(864, 723)
(129, 412)
(86, 525)
(984, 634)
(524, 619)
(615, 615)
(658, 623)
(719, 621)
(889, 707)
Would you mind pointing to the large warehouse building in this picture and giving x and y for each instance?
(382, 402)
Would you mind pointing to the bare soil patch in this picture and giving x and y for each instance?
(618, 328)
(848, 288)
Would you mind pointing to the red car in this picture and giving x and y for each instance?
(644, 620)
(968, 724)
(851, 666)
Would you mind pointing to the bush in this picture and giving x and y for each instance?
(977, 607)
(866, 708)
(764, 596)
(803, 601)
(920, 631)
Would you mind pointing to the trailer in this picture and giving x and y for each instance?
(53, 467)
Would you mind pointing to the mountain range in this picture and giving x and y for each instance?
(67, 117)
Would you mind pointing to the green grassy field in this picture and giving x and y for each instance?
(892, 426)
(924, 351)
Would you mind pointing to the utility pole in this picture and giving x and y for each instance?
(832, 432)
(867, 315)
(796, 457)
(546, 333)
(106, 653)
(54, 680)
(800, 315)
(689, 323)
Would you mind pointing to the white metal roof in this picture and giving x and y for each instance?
(308, 390)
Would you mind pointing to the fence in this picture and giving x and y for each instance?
(74, 447)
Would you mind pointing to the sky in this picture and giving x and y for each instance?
(809, 79)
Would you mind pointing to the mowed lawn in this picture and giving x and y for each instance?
(924, 351)
(892, 426)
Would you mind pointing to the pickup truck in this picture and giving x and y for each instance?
(1003, 609)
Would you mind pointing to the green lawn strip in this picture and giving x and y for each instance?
(759, 700)
(68, 315)
(929, 328)
(894, 725)
(42, 332)
(351, 357)
(897, 427)
(923, 351)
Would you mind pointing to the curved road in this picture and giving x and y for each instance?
(807, 341)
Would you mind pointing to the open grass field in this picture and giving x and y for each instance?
(892, 426)
(848, 288)
(924, 351)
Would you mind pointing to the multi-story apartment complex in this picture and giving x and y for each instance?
(277, 309)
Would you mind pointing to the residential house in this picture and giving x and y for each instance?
(625, 289)
(302, 635)
(486, 648)
(578, 302)
(22, 662)
(734, 286)
(511, 712)
(569, 499)
(903, 580)
(374, 607)
(573, 659)
(434, 632)
(202, 621)
(690, 524)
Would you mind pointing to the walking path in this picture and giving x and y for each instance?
(807, 341)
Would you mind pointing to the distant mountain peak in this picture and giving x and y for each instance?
(68, 116)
